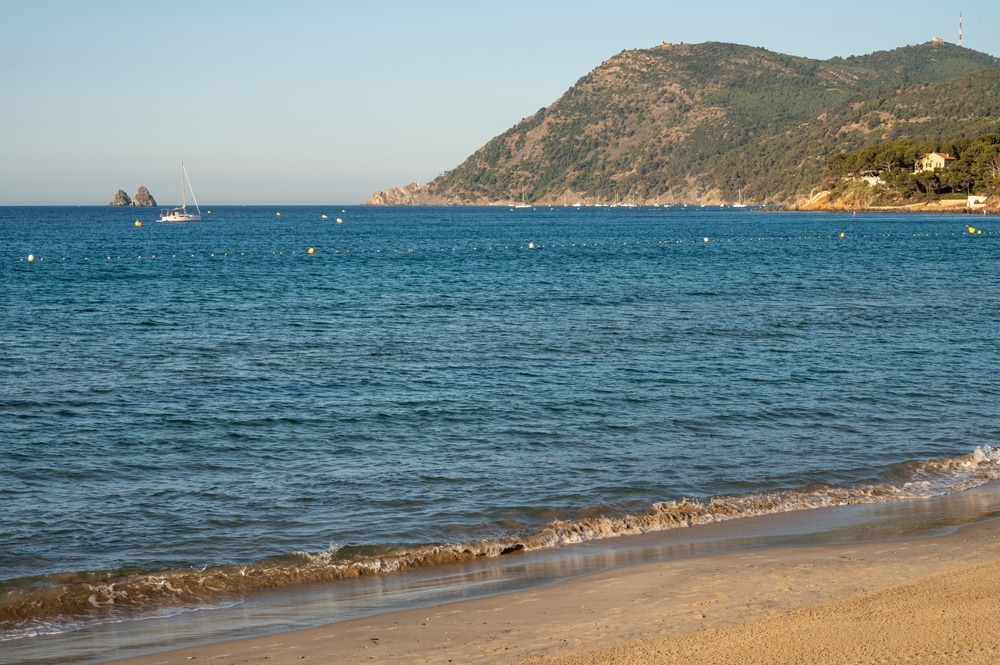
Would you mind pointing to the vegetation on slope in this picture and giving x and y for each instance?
(703, 122)
(883, 174)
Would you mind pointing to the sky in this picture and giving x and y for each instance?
(308, 102)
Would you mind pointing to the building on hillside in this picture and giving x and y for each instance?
(976, 202)
(933, 161)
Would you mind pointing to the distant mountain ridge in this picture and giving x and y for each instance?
(700, 123)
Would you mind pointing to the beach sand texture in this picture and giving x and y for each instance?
(922, 600)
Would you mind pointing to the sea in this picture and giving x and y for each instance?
(283, 416)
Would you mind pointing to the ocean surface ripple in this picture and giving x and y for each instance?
(193, 413)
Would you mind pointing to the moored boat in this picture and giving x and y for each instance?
(181, 214)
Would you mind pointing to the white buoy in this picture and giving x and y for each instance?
(31, 258)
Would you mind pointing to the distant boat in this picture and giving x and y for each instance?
(181, 214)
(524, 202)
(739, 203)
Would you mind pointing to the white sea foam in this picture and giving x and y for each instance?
(29, 612)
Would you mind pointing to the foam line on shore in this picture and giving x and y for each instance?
(75, 600)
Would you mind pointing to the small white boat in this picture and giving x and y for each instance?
(739, 203)
(181, 214)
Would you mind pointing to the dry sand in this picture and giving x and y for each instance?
(926, 600)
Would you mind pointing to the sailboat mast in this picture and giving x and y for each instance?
(183, 193)
(184, 179)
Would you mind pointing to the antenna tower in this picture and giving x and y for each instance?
(960, 28)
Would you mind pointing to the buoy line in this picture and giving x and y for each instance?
(526, 246)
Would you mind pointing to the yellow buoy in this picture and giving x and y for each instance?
(340, 221)
(841, 234)
(312, 250)
(972, 229)
(138, 223)
(31, 258)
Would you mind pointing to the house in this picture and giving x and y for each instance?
(932, 161)
(976, 202)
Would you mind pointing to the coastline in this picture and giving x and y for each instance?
(932, 207)
(926, 598)
(822, 203)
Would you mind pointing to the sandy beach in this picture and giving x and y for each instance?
(920, 600)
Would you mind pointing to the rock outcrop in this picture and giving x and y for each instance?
(121, 199)
(416, 194)
(412, 194)
(144, 199)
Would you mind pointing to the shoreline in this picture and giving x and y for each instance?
(821, 202)
(917, 208)
(666, 611)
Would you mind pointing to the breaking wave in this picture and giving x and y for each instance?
(59, 603)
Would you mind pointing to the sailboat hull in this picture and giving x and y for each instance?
(178, 216)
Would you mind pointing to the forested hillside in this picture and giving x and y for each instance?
(884, 174)
(701, 122)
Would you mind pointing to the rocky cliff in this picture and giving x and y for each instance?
(144, 199)
(121, 199)
(412, 194)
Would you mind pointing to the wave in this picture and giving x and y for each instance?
(65, 602)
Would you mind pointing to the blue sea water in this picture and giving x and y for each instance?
(194, 413)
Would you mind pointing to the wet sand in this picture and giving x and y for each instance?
(919, 600)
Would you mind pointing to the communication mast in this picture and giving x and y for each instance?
(960, 28)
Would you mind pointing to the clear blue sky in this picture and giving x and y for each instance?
(307, 102)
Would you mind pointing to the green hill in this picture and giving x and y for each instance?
(700, 122)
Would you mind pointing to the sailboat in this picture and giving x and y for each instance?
(524, 203)
(181, 214)
(739, 203)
